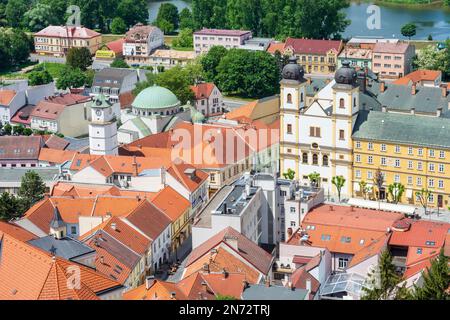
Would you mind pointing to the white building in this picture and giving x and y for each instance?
(208, 99)
(103, 128)
(318, 137)
(140, 42)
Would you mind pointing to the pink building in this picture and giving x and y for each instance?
(207, 38)
(393, 60)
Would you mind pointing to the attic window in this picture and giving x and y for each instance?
(430, 243)
(419, 250)
(361, 242)
(78, 163)
(326, 237)
(346, 239)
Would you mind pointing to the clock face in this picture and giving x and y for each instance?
(98, 113)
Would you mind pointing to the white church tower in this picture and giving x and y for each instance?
(103, 128)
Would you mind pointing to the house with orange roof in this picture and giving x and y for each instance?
(198, 286)
(422, 77)
(29, 273)
(10, 102)
(67, 114)
(208, 99)
(54, 157)
(232, 251)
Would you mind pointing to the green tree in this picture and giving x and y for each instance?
(10, 206)
(431, 58)
(409, 30)
(39, 16)
(79, 58)
(383, 280)
(168, 12)
(118, 26)
(71, 78)
(338, 182)
(133, 11)
(436, 280)
(314, 179)
(184, 39)
(424, 197)
(32, 189)
(18, 130)
(396, 191)
(14, 12)
(15, 47)
(210, 61)
(290, 174)
(225, 297)
(119, 63)
(186, 20)
(7, 129)
(59, 8)
(166, 26)
(365, 189)
(37, 78)
(178, 81)
(378, 180)
(248, 74)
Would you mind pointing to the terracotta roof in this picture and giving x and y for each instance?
(242, 112)
(385, 47)
(54, 142)
(421, 234)
(191, 288)
(222, 32)
(20, 147)
(416, 268)
(126, 99)
(28, 273)
(247, 249)
(418, 76)
(171, 203)
(6, 96)
(65, 32)
(300, 276)
(52, 107)
(56, 156)
(276, 46)
(203, 90)
(23, 115)
(16, 232)
(139, 29)
(116, 45)
(374, 248)
(149, 219)
(447, 245)
(192, 183)
(312, 46)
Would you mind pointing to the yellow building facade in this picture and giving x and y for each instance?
(415, 167)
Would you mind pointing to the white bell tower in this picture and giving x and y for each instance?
(103, 128)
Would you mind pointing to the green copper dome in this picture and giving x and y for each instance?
(155, 97)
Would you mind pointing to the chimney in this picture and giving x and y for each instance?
(102, 260)
(382, 86)
(413, 110)
(172, 295)
(444, 91)
(204, 286)
(224, 273)
(149, 281)
(413, 90)
(331, 208)
(438, 112)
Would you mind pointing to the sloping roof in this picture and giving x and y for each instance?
(15, 231)
(141, 30)
(67, 248)
(247, 249)
(384, 47)
(262, 292)
(242, 112)
(56, 156)
(222, 32)
(28, 273)
(171, 203)
(276, 46)
(116, 45)
(55, 142)
(402, 128)
(65, 32)
(6, 97)
(191, 182)
(419, 75)
(20, 147)
(203, 90)
(312, 46)
(374, 248)
(149, 219)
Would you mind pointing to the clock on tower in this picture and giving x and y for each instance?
(103, 128)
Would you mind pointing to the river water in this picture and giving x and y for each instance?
(434, 21)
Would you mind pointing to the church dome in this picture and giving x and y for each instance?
(346, 74)
(155, 97)
(293, 71)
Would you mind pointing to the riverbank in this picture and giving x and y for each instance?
(411, 4)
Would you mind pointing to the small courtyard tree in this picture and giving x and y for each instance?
(396, 191)
(338, 182)
(424, 196)
(314, 179)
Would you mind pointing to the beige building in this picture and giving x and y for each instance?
(170, 58)
(393, 60)
(67, 114)
(57, 40)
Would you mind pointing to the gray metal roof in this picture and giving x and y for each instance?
(16, 174)
(67, 248)
(261, 292)
(403, 128)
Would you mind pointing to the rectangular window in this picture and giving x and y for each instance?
(420, 152)
(441, 184)
(419, 181)
(410, 180)
(358, 173)
(383, 161)
(358, 145)
(419, 165)
(397, 149)
(431, 167)
(370, 146)
(431, 153)
(341, 135)
(410, 150)
(369, 175)
(343, 262)
(397, 163)
(370, 159)
(442, 154)
(289, 128)
(430, 183)
(383, 147)
(410, 164)
(397, 178)
(441, 168)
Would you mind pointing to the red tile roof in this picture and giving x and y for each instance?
(20, 147)
(55, 142)
(203, 90)
(56, 156)
(16, 232)
(421, 234)
(66, 32)
(116, 45)
(28, 273)
(171, 203)
(149, 219)
(6, 96)
(276, 46)
(312, 46)
(385, 47)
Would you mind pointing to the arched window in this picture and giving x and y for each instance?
(305, 158)
(342, 103)
(289, 98)
(325, 161)
(315, 160)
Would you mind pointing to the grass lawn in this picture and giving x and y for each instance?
(111, 37)
(182, 49)
(53, 68)
(237, 98)
(423, 44)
